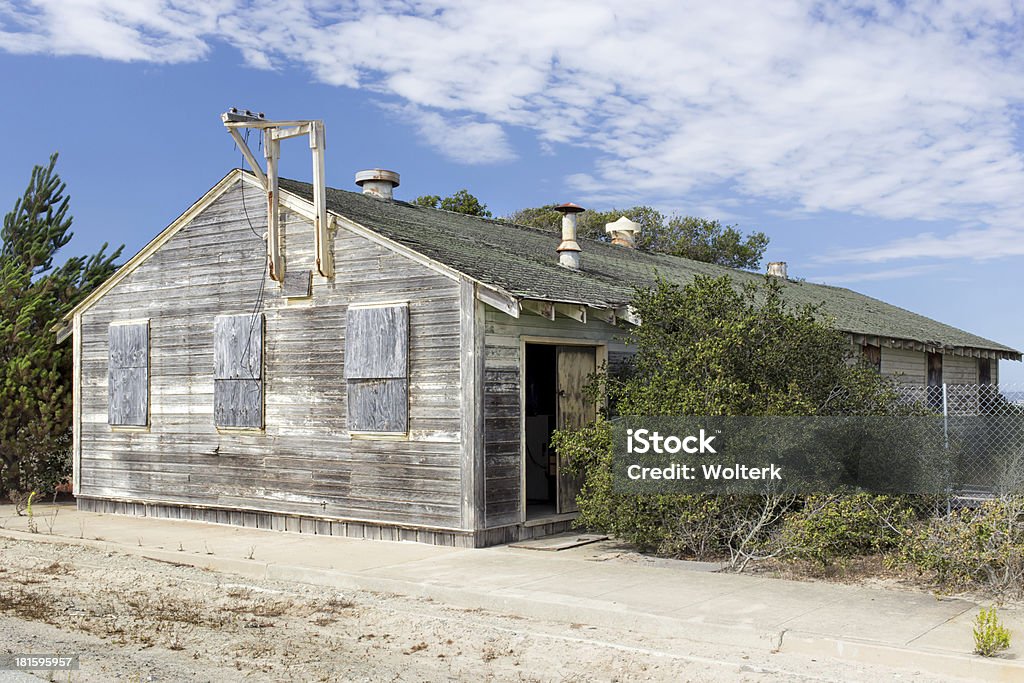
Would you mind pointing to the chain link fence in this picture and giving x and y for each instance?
(983, 434)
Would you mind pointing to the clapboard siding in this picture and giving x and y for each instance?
(959, 369)
(905, 366)
(304, 462)
(502, 411)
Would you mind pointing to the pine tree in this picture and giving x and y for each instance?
(35, 371)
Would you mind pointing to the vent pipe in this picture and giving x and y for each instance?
(377, 183)
(778, 269)
(623, 232)
(569, 250)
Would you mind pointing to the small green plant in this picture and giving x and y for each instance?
(32, 526)
(990, 636)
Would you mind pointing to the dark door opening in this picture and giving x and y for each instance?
(984, 371)
(935, 380)
(555, 378)
(541, 415)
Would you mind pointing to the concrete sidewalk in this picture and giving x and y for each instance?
(862, 624)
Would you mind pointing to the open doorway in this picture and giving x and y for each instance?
(541, 414)
(555, 377)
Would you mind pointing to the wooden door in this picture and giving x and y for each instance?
(575, 365)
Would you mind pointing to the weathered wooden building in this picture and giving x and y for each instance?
(410, 396)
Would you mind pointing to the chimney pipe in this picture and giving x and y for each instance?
(623, 232)
(778, 269)
(569, 250)
(377, 183)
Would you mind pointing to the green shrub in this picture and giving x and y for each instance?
(717, 348)
(673, 525)
(990, 636)
(829, 527)
(971, 548)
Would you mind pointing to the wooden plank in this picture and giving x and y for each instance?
(499, 299)
(575, 365)
(263, 124)
(129, 345)
(238, 346)
(606, 315)
(544, 309)
(238, 403)
(577, 313)
(272, 152)
(290, 132)
(76, 410)
(298, 284)
(471, 433)
(128, 397)
(628, 314)
(378, 405)
(321, 236)
(247, 153)
(377, 342)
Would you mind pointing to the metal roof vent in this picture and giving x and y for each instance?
(778, 269)
(623, 232)
(377, 182)
(569, 250)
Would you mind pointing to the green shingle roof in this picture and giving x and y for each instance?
(522, 261)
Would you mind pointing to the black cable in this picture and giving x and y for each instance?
(244, 209)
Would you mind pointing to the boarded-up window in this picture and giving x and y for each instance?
(128, 374)
(238, 371)
(377, 368)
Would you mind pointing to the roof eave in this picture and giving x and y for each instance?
(934, 346)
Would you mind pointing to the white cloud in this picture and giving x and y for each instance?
(123, 30)
(462, 140)
(897, 111)
(981, 244)
(874, 275)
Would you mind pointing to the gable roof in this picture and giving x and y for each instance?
(521, 262)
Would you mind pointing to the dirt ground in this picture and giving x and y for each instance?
(136, 619)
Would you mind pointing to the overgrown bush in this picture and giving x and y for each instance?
(971, 548)
(836, 526)
(714, 348)
(692, 526)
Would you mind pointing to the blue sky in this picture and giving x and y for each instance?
(878, 144)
